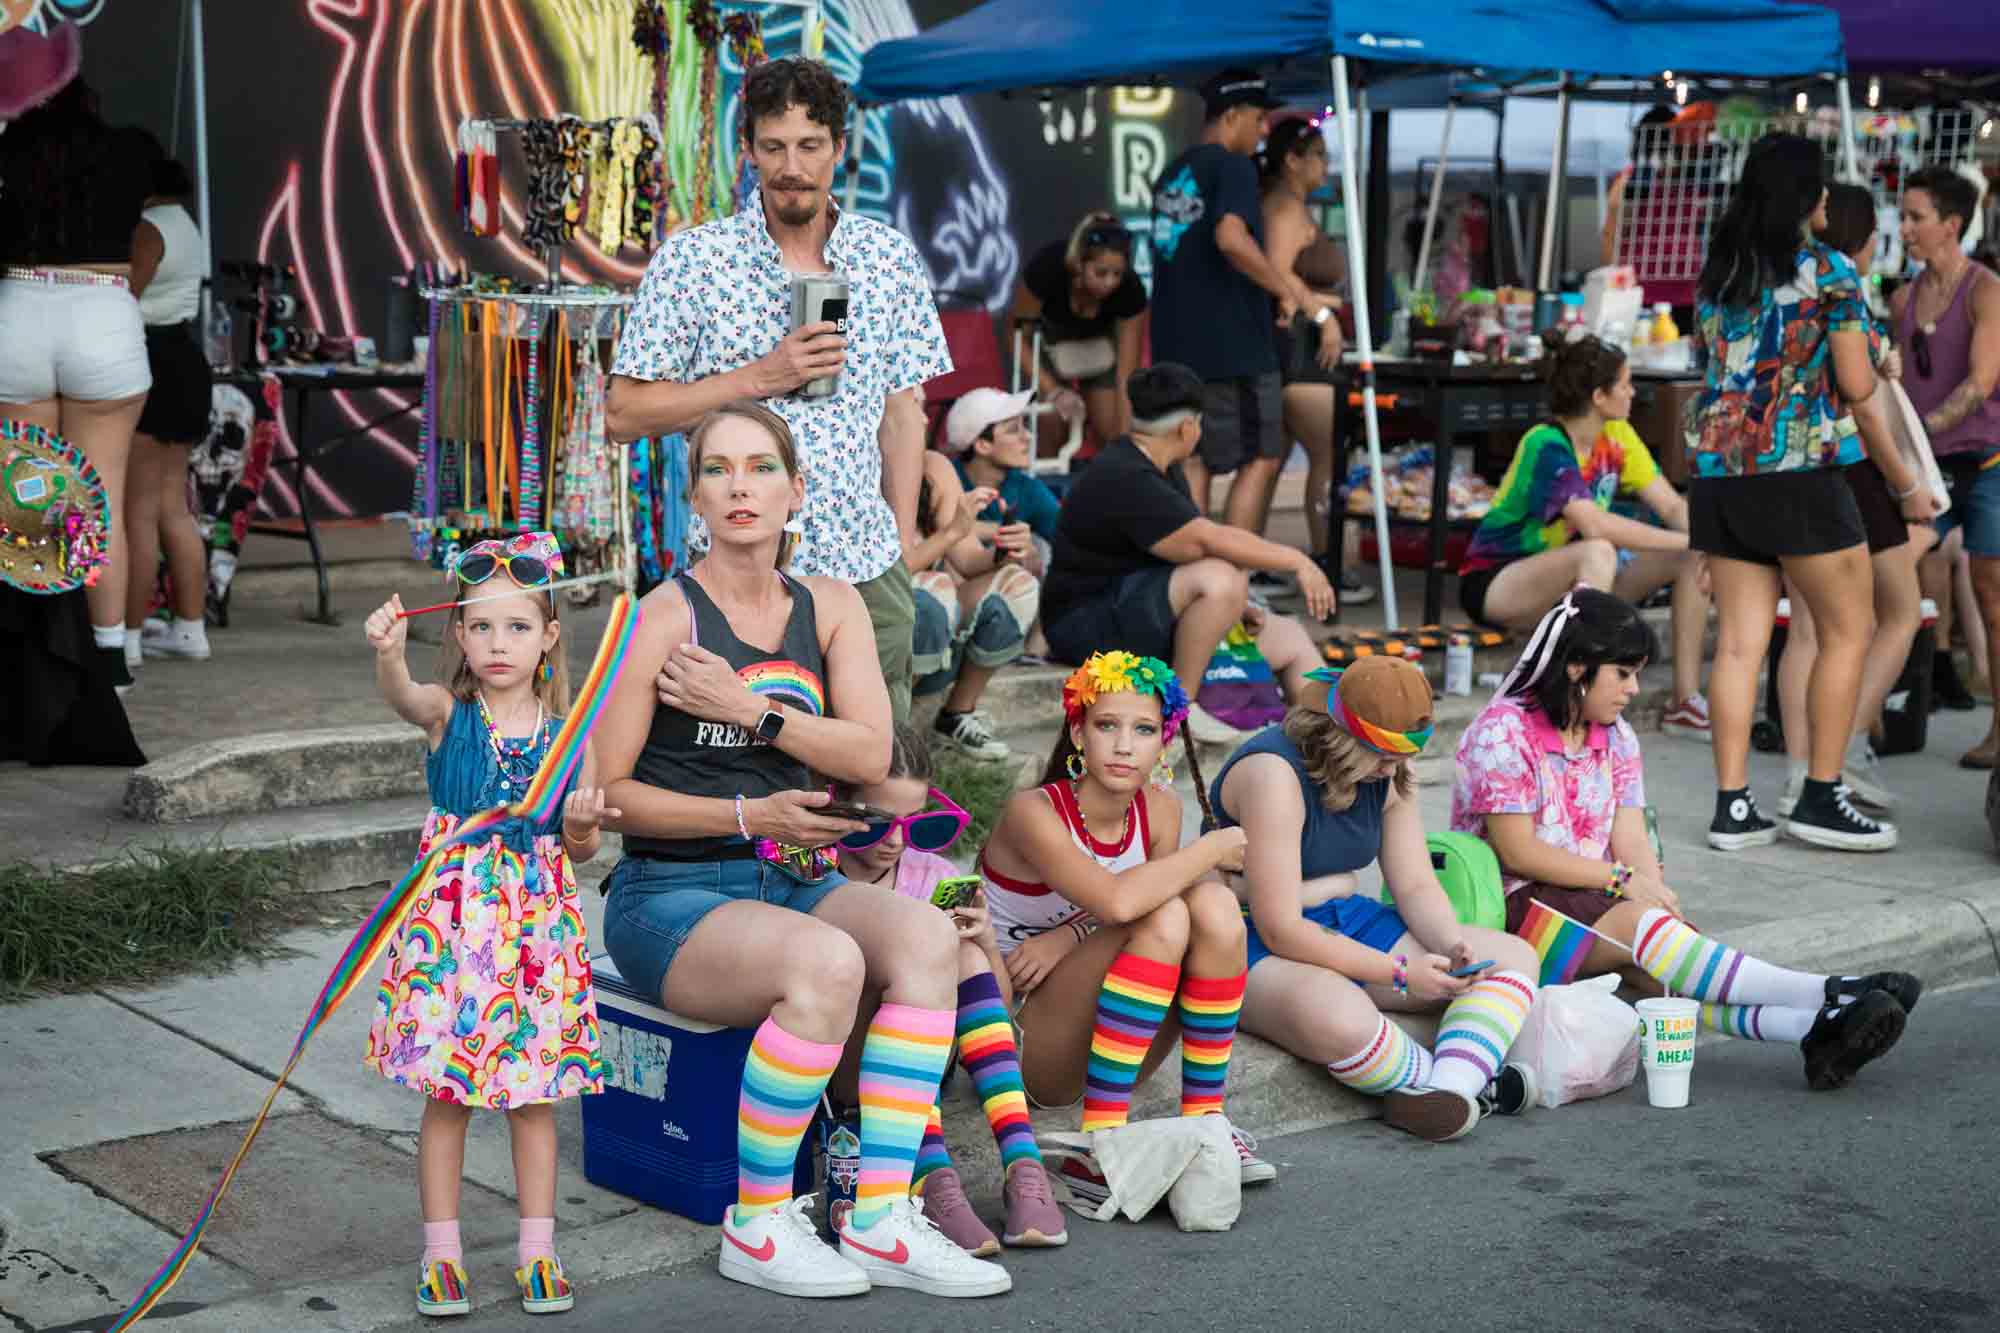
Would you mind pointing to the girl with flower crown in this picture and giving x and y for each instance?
(1119, 938)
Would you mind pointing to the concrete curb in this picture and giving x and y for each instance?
(278, 771)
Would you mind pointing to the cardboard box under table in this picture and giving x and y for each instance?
(664, 1128)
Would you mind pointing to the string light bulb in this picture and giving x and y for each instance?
(1986, 129)
(1874, 93)
(1681, 94)
(1799, 104)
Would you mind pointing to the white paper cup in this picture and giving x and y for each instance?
(1667, 1030)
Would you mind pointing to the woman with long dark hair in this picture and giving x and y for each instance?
(1785, 326)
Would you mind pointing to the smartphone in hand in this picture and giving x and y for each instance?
(867, 814)
(954, 892)
(1470, 969)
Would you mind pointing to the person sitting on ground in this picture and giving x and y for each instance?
(977, 597)
(1089, 302)
(903, 854)
(1894, 548)
(1550, 775)
(1137, 565)
(1320, 798)
(1117, 938)
(1551, 526)
(986, 434)
(727, 906)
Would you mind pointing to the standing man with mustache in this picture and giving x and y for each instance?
(712, 324)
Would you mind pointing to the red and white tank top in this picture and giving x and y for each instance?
(1021, 911)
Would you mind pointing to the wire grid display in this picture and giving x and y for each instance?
(1683, 175)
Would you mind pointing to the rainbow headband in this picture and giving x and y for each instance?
(1119, 672)
(1395, 744)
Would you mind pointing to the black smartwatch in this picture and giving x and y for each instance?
(768, 727)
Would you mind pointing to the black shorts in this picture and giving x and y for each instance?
(1881, 517)
(176, 410)
(1298, 353)
(1241, 421)
(1765, 519)
(1472, 590)
(1137, 615)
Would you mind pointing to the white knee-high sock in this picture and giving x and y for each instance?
(1689, 963)
(1390, 1060)
(1758, 1022)
(1477, 1029)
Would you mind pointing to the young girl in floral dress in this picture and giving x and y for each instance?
(486, 999)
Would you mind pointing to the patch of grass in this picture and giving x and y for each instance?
(982, 789)
(143, 917)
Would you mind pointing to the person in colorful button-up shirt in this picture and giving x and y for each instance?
(712, 323)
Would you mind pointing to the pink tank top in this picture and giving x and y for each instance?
(1950, 348)
(1021, 910)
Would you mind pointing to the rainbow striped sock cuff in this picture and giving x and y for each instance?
(1477, 1029)
(987, 1050)
(1209, 1008)
(1389, 1061)
(1131, 1005)
(1684, 961)
(902, 1059)
(782, 1081)
(932, 1155)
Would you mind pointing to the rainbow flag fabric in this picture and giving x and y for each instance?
(1561, 942)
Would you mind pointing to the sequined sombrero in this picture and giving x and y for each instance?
(55, 522)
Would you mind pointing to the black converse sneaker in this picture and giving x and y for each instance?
(1906, 988)
(1512, 1091)
(1846, 1037)
(1825, 817)
(971, 734)
(1738, 823)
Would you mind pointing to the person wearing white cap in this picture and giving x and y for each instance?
(987, 436)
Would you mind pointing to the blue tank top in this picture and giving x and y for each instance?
(1332, 843)
(464, 775)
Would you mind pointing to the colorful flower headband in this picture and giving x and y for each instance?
(1395, 744)
(1117, 672)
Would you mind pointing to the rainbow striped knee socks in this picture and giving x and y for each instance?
(1130, 1008)
(782, 1082)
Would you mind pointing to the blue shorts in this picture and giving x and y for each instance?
(655, 905)
(1363, 920)
(1975, 503)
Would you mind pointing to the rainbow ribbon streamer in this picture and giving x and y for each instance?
(539, 804)
(1561, 942)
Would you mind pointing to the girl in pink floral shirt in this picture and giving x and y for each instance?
(1549, 774)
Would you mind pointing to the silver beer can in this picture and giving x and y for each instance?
(820, 298)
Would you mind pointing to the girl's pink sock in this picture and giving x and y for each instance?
(441, 1242)
(537, 1240)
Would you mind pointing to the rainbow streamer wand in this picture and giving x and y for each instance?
(1561, 942)
(538, 803)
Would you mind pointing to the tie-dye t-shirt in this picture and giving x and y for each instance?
(1545, 476)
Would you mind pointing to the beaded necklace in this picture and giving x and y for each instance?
(1124, 828)
(516, 758)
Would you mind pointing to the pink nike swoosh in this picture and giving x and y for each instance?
(899, 1255)
(762, 1254)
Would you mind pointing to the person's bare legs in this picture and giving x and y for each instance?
(1198, 479)
(142, 527)
(532, 1130)
(1794, 668)
(1250, 494)
(1986, 587)
(1522, 593)
(1057, 1017)
(441, 1158)
(1746, 598)
(1976, 649)
(1309, 420)
(180, 538)
(1290, 651)
(1898, 614)
(1207, 596)
(1649, 571)
(747, 961)
(103, 431)
(1104, 411)
(1839, 591)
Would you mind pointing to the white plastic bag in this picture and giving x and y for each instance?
(1581, 1040)
(1189, 1161)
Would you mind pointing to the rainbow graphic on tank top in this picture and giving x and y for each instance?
(785, 682)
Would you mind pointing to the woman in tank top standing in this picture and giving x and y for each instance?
(169, 263)
(717, 910)
(1119, 938)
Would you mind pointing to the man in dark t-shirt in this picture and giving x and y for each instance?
(1137, 566)
(1213, 289)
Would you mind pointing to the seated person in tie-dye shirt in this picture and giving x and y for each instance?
(902, 854)
(1549, 774)
(1551, 525)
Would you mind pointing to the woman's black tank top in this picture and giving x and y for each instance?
(696, 758)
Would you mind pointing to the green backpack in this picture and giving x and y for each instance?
(1470, 874)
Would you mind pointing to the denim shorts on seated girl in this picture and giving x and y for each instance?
(654, 905)
(1364, 920)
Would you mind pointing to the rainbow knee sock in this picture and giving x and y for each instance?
(1477, 1029)
(1689, 963)
(1209, 1008)
(902, 1059)
(1758, 1022)
(986, 1049)
(782, 1082)
(1389, 1061)
(932, 1155)
(1130, 1008)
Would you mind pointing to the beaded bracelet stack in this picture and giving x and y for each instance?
(1399, 977)
(1621, 875)
(741, 827)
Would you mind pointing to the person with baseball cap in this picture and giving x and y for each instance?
(1213, 289)
(1136, 565)
(1320, 798)
(987, 435)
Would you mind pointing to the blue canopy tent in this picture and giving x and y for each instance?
(1031, 44)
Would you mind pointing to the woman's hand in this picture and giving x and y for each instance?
(1035, 957)
(791, 819)
(1650, 890)
(1226, 846)
(1892, 364)
(386, 629)
(966, 520)
(583, 811)
(1014, 540)
(1920, 506)
(1431, 980)
(1068, 404)
(703, 686)
(1462, 957)
(1331, 343)
(972, 921)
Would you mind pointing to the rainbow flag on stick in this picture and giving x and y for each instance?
(1562, 942)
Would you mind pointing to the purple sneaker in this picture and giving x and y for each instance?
(945, 1206)
(1033, 1219)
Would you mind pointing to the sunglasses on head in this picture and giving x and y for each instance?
(1920, 343)
(526, 570)
(1108, 237)
(926, 830)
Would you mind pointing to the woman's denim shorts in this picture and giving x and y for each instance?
(655, 905)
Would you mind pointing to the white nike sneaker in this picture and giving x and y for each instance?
(781, 1251)
(905, 1249)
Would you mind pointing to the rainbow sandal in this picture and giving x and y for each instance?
(441, 1289)
(544, 1289)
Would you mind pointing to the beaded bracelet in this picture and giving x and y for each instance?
(1621, 875)
(1399, 977)
(741, 827)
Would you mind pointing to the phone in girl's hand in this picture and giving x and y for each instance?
(954, 892)
(866, 814)
(1470, 969)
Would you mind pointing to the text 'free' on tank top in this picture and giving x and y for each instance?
(694, 757)
(1022, 910)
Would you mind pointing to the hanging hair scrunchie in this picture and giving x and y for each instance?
(1541, 646)
(546, 226)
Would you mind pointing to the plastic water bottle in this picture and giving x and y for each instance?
(840, 1143)
(221, 336)
(1458, 665)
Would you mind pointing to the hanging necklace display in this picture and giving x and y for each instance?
(707, 29)
(528, 508)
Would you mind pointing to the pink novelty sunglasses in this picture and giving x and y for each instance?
(926, 830)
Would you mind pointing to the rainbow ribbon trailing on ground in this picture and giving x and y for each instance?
(539, 803)
(1560, 940)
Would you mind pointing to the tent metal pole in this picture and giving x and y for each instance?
(201, 151)
(1547, 265)
(1364, 342)
(1850, 169)
(1437, 195)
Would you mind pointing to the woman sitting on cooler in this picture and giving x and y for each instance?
(1549, 774)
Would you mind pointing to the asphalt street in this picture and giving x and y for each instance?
(1762, 1206)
